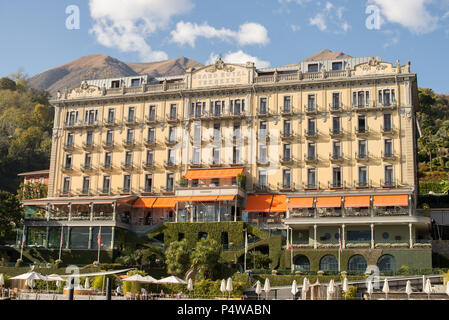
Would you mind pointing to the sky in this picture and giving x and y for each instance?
(39, 35)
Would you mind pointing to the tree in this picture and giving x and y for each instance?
(205, 258)
(11, 211)
(32, 190)
(177, 258)
(7, 84)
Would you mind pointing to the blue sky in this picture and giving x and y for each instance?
(270, 32)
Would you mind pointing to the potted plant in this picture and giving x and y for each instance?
(241, 180)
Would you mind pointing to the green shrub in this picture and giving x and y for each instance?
(403, 270)
(133, 287)
(351, 294)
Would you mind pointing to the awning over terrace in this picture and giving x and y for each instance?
(300, 203)
(357, 202)
(391, 201)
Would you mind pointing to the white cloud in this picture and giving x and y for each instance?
(239, 57)
(319, 21)
(295, 27)
(248, 33)
(126, 24)
(330, 17)
(411, 14)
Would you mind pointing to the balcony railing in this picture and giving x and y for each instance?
(125, 190)
(67, 168)
(334, 133)
(289, 134)
(172, 117)
(313, 158)
(72, 124)
(388, 156)
(148, 190)
(336, 157)
(388, 184)
(151, 119)
(336, 185)
(150, 142)
(88, 145)
(361, 131)
(311, 186)
(364, 212)
(286, 159)
(397, 211)
(362, 156)
(110, 122)
(263, 112)
(386, 130)
(69, 146)
(170, 164)
(130, 121)
(362, 184)
(87, 167)
(108, 144)
(106, 166)
(129, 143)
(286, 187)
(167, 189)
(258, 187)
(311, 109)
(309, 134)
(171, 140)
(287, 110)
(333, 107)
(127, 166)
(148, 165)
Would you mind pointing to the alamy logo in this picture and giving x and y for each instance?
(373, 20)
(73, 20)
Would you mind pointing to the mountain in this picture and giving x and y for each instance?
(326, 54)
(98, 66)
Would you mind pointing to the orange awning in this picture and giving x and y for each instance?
(357, 202)
(213, 173)
(197, 199)
(300, 203)
(259, 203)
(144, 202)
(279, 203)
(225, 198)
(169, 202)
(391, 201)
(328, 202)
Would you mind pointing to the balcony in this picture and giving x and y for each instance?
(151, 119)
(302, 213)
(148, 165)
(311, 186)
(170, 164)
(167, 190)
(395, 211)
(287, 135)
(263, 112)
(263, 161)
(84, 192)
(89, 123)
(87, 167)
(287, 111)
(335, 108)
(196, 164)
(260, 187)
(388, 156)
(71, 124)
(127, 166)
(216, 163)
(329, 212)
(147, 190)
(358, 243)
(150, 143)
(67, 168)
(106, 167)
(108, 145)
(361, 131)
(105, 191)
(357, 212)
(237, 163)
(336, 133)
(311, 109)
(361, 184)
(336, 185)
(387, 105)
(311, 159)
(129, 143)
(198, 115)
(130, 121)
(362, 157)
(336, 157)
(69, 146)
(286, 160)
(388, 184)
(361, 107)
(286, 187)
(171, 141)
(110, 122)
(172, 118)
(88, 146)
(387, 131)
(125, 191)
(311, 134)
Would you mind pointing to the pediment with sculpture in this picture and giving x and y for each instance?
(379, 67)
(85, 90)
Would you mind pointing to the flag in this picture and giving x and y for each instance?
(99, 238)
(23, 239)
(246, 243)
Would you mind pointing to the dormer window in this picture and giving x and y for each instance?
(135, 82)
(313, 67)
(115, 84)
(336, 66)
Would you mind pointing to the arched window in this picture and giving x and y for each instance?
(387, 263)
(357, 263)
(301, 263)
(329, 263)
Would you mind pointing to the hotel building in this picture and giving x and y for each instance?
(322, 152)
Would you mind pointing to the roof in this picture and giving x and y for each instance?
(327, 54)
(35, 173)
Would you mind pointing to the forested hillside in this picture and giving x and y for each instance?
(26, 121)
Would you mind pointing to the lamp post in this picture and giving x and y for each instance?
(246, 249)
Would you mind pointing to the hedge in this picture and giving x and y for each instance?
(426, 186)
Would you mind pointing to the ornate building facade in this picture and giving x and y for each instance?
(322, 151)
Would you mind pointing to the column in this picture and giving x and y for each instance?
(315, 244)
(372, 236)
(70, 211)
(343, 207)
(89, 245)
(48, 211)
(288, 211)
(114, 211)
(67, 246)
(112, 238)
(191, 213)
(410, 230)
(410, 206)
(235, 210)
(288, 238)
(91, 212)
(219, 211)
(371, 207)
(343, 236)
